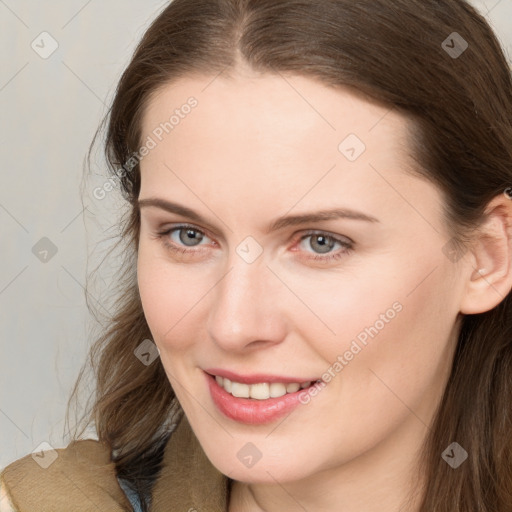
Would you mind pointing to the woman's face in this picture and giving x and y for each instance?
(263, 286)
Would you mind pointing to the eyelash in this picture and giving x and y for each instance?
(347, 247)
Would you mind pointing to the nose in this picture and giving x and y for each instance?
(248, 309)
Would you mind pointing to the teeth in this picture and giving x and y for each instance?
(291, 388)
(277, 389)
(240, 390)
(260, 391)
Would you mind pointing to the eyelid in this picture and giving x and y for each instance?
(347, 247)
(343, 239)
(171, 229)
(347, 244)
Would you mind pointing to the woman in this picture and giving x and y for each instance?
(316, 307)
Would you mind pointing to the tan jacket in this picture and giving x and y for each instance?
(82, 479)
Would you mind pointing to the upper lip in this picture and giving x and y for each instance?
(255, 378)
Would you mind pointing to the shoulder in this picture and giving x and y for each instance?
(78, 477)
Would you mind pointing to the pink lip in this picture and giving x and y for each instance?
(256, 378)
(250, 410)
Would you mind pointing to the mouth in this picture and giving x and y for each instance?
(258, 402)
(260, 390)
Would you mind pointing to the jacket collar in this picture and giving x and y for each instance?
(188, 480)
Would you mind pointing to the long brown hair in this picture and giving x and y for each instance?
(402, 53)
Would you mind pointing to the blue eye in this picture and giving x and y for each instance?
(188, 236)
(322, 244)
(184, 238)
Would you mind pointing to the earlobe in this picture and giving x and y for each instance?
(490, 268)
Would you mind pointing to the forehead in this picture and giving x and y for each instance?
(283, 138)
(270, 116)
(271, 110)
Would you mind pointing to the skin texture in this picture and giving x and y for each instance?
(257, 147)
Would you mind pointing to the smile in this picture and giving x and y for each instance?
(261, 390)
(257, 402)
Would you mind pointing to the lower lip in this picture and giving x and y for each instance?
(250, 410)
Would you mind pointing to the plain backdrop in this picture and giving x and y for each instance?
(61, 60)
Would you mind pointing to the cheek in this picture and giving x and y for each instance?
(404, 363)
(351, 309)
(170, 299)
(159, 303)
(388, 327)
(151, 289)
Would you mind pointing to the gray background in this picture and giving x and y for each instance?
(51, 108)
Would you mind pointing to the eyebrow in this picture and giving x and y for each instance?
(279, 223)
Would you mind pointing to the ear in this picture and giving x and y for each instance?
(490, 265)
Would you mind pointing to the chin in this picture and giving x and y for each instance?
(266, 470)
